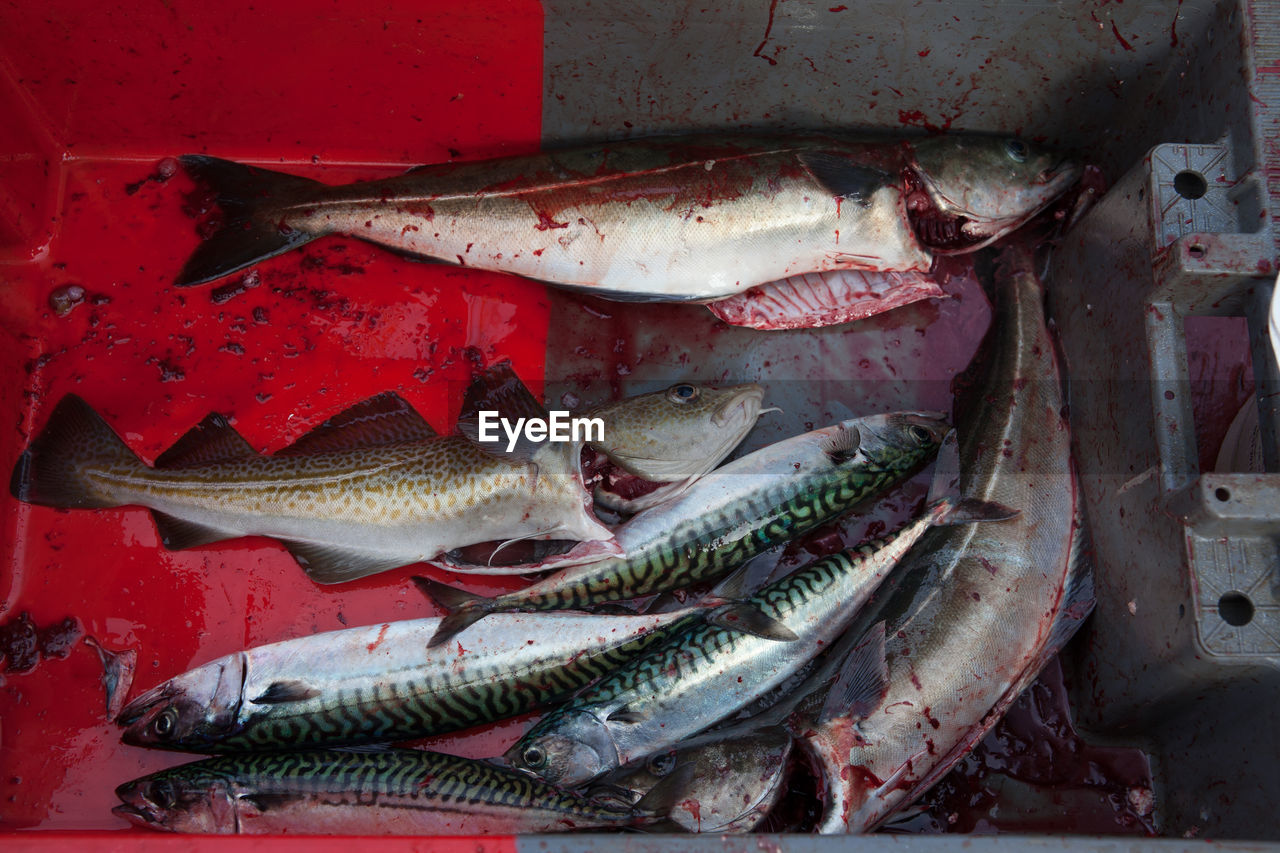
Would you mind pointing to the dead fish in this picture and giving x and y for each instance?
(733, 784)
(378, 792)
(660, 443)
(380, 684)
(973, 613)
(732, 514)
(717, 666)
(371, 489)
(668, 219)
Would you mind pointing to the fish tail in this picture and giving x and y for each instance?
(464, 609)
(54, 470)
(254, 229)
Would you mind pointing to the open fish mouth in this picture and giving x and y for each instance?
(944, 229)
(135, 815)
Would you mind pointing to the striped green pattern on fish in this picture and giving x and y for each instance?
(329, 791)
(715, 667)
(732, 514)
(380, 683)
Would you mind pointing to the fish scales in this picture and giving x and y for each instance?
(709, 670)
(973, 611)
(732, 514)
(669, 219)
(356, 792)
(704, 552)
(375, 487)
(377, 684)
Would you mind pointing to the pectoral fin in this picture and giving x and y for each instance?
(210, 441)
(279, 692)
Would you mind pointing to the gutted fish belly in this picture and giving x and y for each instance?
(675, 219)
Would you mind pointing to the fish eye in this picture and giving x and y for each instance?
(1016, 149)
(164, 724)
(161, 793)
(661, 765)
(534, 757)
(919, 434)
(683, 393)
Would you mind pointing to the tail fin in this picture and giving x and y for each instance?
(52, 471)
(464, 609)
(254, 230)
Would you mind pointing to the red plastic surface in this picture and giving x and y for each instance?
(99, 95)
(106, 92)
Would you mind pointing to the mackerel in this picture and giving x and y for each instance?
(676, 218)
(380, 684)
(712, 669)
(739, 510)
(336, 792)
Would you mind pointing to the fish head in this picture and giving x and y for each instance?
(575, 749)
(732, 785)
(898, 442)
(195, 709)
(679, 432)
(179, 800)
(964, 192)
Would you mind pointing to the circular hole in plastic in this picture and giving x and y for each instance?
(1235, 608)
(1222, 494)
(1190, 184)
(1169, 395)
(1196, 250)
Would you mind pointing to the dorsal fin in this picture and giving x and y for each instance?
(377, 421)
(498, 389)
(210, 441)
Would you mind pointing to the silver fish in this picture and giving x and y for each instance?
(971, 616)
(380, 684)
(680, 218)
(737, 511)
(337, 792)
(713, 668)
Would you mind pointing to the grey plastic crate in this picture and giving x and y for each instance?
(1179, 104)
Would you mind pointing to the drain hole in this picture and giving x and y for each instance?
(1190, 184)
(1222, 494)
(1235, 608)
(1196, 250)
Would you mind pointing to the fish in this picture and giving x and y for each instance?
(730, 515)
(972, 615)
(342, 792)
(712, 669)
(733, 785)
(696, 218)
(371, 489)
(660, 443)
(380, 684)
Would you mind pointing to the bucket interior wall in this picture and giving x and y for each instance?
(99, 97)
